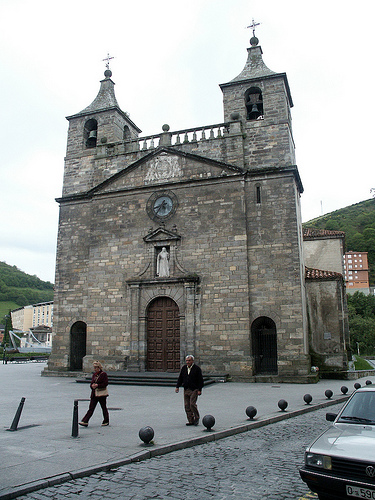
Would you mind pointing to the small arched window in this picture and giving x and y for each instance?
(90, 133)
(254, 103)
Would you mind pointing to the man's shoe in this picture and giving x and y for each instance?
(84, 424)
(104, 424)
(196, 422)
(190, 423)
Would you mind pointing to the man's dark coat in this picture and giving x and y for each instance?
(193, 380)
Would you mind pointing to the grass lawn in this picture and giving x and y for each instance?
(4, 309)
(362, 364)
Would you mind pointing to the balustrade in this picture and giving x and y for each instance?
(166, 138)
(186, 136)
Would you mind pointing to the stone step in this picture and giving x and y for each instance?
(150, 378)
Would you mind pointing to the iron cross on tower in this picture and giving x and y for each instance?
(108, 58)
(253, 25)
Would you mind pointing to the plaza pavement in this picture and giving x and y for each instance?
(42, 451)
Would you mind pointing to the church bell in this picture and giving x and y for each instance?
(91, 140)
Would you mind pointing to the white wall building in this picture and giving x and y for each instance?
(32, 316)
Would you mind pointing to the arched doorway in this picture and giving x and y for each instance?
(264, 344)
(77, 345)
(163, 336)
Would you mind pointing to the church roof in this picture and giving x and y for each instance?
(223, 169)
(254, 67)
(313, 234)
(106, 96)
(319, 274)
(105, 100)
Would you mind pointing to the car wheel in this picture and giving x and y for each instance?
(322, 496)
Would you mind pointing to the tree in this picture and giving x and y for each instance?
(361, 310)
(7, 326)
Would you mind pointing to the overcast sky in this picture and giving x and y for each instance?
(169, 58)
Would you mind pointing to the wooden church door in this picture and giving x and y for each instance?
(163, 336)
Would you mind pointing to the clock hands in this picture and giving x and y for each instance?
(159, 207)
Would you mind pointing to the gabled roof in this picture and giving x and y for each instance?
(234, 170)
(171, 151)
(161, 234)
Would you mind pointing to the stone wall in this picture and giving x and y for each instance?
(326, 312)
(325, 254)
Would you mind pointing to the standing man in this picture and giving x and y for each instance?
(191, 379)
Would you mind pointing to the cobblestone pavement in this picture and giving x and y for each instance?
(259, 464)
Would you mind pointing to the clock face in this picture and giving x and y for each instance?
(162, 206)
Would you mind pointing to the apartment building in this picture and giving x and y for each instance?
(32, 316)
(356, 272)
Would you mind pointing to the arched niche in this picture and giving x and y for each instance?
(264, 345)
(77, 345)
(254, 103)
(90, 133)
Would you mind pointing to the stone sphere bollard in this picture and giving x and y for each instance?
(307, 398)
(357, 385)
(368, 382)
(251, 411)
(146, 434)
(282, 404)
(344, 389)
(328, 393)
(208, 421)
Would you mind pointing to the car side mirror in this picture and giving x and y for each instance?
(331, 417)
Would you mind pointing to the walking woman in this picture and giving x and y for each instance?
(99, 394)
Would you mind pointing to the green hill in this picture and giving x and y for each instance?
(19, 289)
(358, 223)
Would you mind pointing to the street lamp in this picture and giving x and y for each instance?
(4, 338)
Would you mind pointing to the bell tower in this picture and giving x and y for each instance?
(261, 100)
(100, 123)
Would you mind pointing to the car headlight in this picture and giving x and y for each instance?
(317, 460)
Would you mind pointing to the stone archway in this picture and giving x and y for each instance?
(77, 345)
(163, 336)
(264, 346)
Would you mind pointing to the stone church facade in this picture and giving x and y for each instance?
(185, 242)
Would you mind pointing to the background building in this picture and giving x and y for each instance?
(32, 316)
(356, 272)
(324, 249)
(326, 297)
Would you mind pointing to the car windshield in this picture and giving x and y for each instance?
(360, 409)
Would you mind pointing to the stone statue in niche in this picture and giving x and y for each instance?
(162, 264)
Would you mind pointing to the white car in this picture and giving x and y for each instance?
(340, 463)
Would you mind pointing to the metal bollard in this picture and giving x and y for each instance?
(75, 419)
(17, 416)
